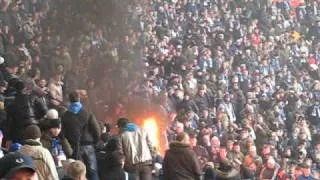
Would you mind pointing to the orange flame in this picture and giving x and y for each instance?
(150, 125)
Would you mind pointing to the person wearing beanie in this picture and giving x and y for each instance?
(180, 161)
(44, 163)
(53, 140)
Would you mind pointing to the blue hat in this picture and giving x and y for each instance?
(15, 147)
(13, 162)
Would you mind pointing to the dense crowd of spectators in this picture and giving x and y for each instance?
(236, 82)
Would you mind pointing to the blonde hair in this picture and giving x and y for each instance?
(76, 169)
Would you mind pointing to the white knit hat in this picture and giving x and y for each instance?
(52, 114)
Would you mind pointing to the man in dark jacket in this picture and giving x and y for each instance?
(180, 162)
(24, 111)
(82, 130)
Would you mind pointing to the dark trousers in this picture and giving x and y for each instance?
(141, 171)
(88, 156)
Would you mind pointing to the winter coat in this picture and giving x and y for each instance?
(181, 163)
(47, 140)
(80, 127)
(44, 163)
(23, 112)
(136, 146)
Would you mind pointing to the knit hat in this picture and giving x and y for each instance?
(54, 123)
(32, 132)
(52, 114)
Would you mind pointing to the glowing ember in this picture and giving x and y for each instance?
(151, 127)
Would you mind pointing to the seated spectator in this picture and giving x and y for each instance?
(17, 166)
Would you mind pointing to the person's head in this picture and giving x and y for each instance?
(74, 97)
(118, 159)
(183, 138)
(34, 73)
(271, 163)
(193, 140)
(252, 151)
(236, 147)
(179, 128)
(18, 167)
(52, 114)
(77, 170)
(229, 144)
(32, 132)
(19, 86)
(223, 153)
(306, 170)
(54, 127)
(122, 122)
(42, 83)
(215, 142)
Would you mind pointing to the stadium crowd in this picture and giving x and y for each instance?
(237, 83)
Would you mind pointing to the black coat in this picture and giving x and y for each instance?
(80, 129)
(25, 110)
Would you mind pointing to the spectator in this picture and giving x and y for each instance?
(53, 140)
(180, 162)
(52, 134)
(225, 171)
(271, 170)
(306, 173)
(24, 111)
(17, 166)
(82, 130)
(32, 147)
(76, 171)
(136, 146)
(115, 169)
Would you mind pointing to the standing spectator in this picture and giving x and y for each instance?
(55, 91)
(53, 140)
(42, 158)
(22, 112)
(180, 162)
(136, 146)
(82, 130)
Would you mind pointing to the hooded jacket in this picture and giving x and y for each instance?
(181, 163)
(79, 126)
(135, 145)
